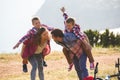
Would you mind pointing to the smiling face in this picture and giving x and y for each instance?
(56, 39)
(45, 35)
(70, 22)
(69, 26)
(36, 23)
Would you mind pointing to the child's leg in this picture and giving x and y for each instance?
(89, 55)
(66, 53)
(25, 62)
(69, 60)
(87, 49)
(45, 52)
(44, 63)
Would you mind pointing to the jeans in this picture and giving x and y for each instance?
(37, 62)
(80, 66)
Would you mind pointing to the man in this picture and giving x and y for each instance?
(73, 44)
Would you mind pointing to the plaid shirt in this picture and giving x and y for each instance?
(71, 43)
(32, 32)
(75, 29)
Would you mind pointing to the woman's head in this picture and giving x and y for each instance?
(42, 34)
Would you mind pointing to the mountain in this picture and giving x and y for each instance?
(90, 14)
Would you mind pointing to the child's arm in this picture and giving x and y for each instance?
(76, 30)
(64, 14)
(48, 27)
(25, 37)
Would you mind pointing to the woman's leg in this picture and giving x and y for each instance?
(33, 62)
(40, 66)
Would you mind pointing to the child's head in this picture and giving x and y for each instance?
(36, 22)
(70, 22)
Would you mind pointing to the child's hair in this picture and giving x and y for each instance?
(70, 20)
(37, 37)
(34, 18)
(57, 33)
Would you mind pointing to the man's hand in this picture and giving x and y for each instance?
(17, 45)
(62, 9)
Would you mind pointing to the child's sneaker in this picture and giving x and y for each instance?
(70, 67)
(44, 64)
(25, 68)
(92, 66)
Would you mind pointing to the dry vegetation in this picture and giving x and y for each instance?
(11, 66)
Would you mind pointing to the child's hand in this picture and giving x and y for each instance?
(62, 9)
(17, 45)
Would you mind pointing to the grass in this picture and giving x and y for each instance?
(10, 68)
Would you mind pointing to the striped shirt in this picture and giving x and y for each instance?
(76, 29)
(32, 32)
(71, 43)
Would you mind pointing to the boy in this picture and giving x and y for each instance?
(70, 26)
(36, 25)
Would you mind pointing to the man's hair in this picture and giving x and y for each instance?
(34, 18)
(57, 33)
(70, 20)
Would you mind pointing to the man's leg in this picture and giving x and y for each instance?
(77, 67)
(82, 64)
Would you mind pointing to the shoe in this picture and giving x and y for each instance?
(70, 67)
(44, 64)
(25, 68)
(92, 66)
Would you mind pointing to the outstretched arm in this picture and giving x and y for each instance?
(64, 14)
(25, 37)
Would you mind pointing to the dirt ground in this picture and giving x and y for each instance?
(10, 64)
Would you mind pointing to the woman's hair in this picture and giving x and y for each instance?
(37, 37)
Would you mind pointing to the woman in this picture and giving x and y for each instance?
(32, 50)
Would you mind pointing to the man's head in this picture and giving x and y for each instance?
(36, 22)
(70, 22)
(57, 35)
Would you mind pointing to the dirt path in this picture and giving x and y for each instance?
(12, 65)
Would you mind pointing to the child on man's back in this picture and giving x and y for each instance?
(70, 26)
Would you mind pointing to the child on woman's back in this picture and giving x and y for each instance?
(36, 25)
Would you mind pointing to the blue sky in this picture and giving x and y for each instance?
(15, 17)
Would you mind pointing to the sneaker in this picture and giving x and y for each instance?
(25, 68)
(92, 66)
(70, 67)
(44, 64)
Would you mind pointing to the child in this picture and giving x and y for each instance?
(36, 23)
(70, 26)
